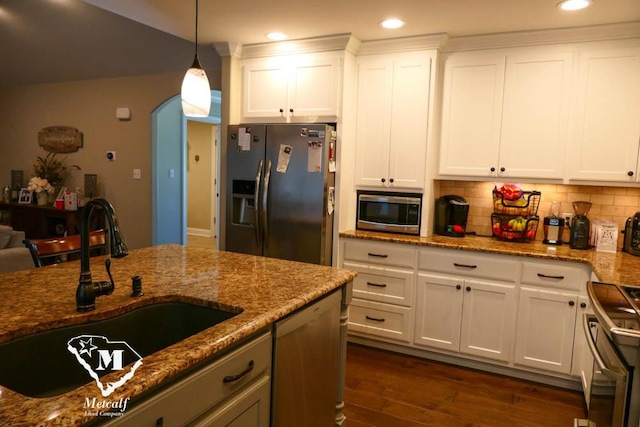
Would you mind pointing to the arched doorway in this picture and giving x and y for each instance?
(169, 168)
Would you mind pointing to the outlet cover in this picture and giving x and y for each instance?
(137, 174)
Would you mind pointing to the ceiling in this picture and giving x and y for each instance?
(63, 40)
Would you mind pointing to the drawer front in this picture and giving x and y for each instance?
(379, 253)
(383, 320)
(460, 262)
(560, 275)
(192, 396)
(382, 284)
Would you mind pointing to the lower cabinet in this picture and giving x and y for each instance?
(465, 315)
(234, 390)
(546, 327)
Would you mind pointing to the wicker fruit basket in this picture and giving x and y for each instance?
(526, 205)
(514, 228)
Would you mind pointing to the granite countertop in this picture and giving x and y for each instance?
(612, 267)
(266, 289)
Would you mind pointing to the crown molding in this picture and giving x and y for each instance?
(310, 45)
(403, 44)
(228, 49)
(541, 37)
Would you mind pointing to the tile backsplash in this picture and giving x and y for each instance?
(613, 203)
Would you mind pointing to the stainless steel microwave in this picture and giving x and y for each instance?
(390, 212)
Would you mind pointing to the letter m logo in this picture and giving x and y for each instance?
(106, 358)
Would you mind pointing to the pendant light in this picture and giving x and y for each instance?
(196, 92)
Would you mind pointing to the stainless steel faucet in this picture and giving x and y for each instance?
(87, 289)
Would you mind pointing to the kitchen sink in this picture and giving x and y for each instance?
(40, 365)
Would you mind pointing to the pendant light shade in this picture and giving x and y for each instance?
(196, 92)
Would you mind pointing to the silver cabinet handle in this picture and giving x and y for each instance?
(265, 196)
(256, 193)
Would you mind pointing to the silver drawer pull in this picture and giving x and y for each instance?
(377, 285)
(465, 265)
(375, 319)
(379, 255)
(234, 378)
(546, 276)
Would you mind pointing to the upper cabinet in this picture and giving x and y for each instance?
(606, 134)
(292, 88)
(505, 114)
(393, 98)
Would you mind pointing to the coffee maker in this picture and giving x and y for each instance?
(451, 216)
(632, 235)
(580, 226)
(553, 226)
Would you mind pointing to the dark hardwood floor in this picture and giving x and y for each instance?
(385, 389)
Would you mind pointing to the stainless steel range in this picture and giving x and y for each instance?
(613, 335)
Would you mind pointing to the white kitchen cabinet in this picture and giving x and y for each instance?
(383, 291)
(393, 94)
(292, 88)
(606, 133)
(501, 111)
(546, 326)
(552, 301)
(464, 315)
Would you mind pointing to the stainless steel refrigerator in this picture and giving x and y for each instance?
(280, 191)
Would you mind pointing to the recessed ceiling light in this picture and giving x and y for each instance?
(392, 23)
(574, 4)
(276, 36)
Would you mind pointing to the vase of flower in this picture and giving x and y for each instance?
(42, 189)
(42, 198)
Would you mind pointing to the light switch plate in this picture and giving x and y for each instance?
(137, 174)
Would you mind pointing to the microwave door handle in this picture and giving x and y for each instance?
(256, 194)
(265, 197)
(586, 319)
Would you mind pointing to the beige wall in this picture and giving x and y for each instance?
(199, 142)
(90, 106)
(613, 203)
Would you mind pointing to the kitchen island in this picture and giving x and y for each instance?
(260, 290)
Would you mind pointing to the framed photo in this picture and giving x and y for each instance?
(60, 195)
(25, 196)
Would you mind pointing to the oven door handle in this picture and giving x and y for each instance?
(586, 319)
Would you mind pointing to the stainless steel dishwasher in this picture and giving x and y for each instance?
(306, 365)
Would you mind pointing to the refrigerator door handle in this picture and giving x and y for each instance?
(256, 194)
(265, 196)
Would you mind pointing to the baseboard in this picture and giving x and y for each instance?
(199, 232)
(566, 383)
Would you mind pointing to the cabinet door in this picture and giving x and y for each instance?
(251, 408)
(264, 88)
(535, 115)
(471, 115)
(438, 311)
(409, 120)
(373, 120)
(314, 87)
(488, 318)
(546, 325)
(604, 142)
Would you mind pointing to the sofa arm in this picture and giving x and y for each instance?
(14, 259)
